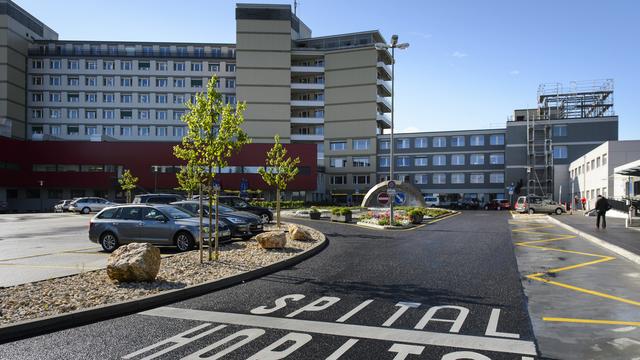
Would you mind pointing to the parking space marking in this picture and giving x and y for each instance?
(419, 337)
(534, 230)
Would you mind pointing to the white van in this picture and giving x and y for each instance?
(432, 201)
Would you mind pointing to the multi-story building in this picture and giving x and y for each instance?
(593, 174)
(452, 165)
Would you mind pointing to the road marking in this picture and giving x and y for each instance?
(540, 276)
(77, 267)
(47, 254)
(352, 331)
(592, 321)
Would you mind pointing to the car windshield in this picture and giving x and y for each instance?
(177, 213)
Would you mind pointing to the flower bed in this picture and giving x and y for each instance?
(403, 216)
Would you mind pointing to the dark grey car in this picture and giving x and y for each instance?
(156, 224)
(242, 224)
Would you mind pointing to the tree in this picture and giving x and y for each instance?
(127, 183)
(280, 170)
(213, 134)
(189, 179)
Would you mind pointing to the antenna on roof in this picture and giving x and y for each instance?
(295, 6)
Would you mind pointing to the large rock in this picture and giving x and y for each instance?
(272, 239)
(299, 233)
(134, 262)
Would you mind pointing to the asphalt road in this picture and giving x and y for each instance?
(368, 295)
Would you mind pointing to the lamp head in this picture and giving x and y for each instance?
(402, 46)
(381, 46)
(394, 40)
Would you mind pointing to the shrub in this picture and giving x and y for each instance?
(341, 211)
(289, 204)
(314, 210)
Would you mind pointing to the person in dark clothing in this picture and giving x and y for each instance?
(602, 206)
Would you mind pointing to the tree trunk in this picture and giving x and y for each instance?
(217, 234)
(278, 207)
(210, 183)
(201, 239)
(128, 196)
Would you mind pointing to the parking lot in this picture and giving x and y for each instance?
(41, 246)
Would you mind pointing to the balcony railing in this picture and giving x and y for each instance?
(307, 86)
(384, 119)
(307, 137)
(307, 69)
(386, 70)
(129, 53)
(384, 87)
(307, 120)
(307, 103)
(385, 105)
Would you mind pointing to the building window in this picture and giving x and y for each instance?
(178, 82)
(73, 64)
(144, 82)
(108, 81)
(421, 161)
(177, 115)
(476, 159)
(73, 114)
(457, 141)
(439, 179)
(126, 114)
(421, 179)
(36, 64)
(108, 130)
(420, 143)
(108, 98)
(560, 152)
(196, 66)
(403, 178)
(179, 131)
(161, 131)
(91, 130)
(477, 140)
(161, 82)
(439, 160)
(55, 113)
(125, 65)
(338, 180)
(126, 98)
(457, 178)
(54, 81)
(496, 178)
(73, 81)
(144, 98)
(403, 143)
(230, 83)
(383, 161)
(231, 67)
(361, 179)
(91, 81)
(496, 159)
(36, 80)
(55, 64)
(559, 130)
(161, 65)
(161, 99)
(337, 162)
(214, 67)
(73, 130)
(476, 178)
(598, 161)
(179, 99)
(496, 139)
(125, 131)
(90, 114)
(338, 145)
(384, 145)
(196, 83)
(361, 162)
(179, 66)
(361, 144)
(126, 82)
(457, 159)
(604, 159)
(439, 141)
(144, 65)
(403, 161)
(161, 115)
(54, 97)
(36, 113)
(143, 114)
(108, 65)
(55, 130)
(143, 131)
(108, 114)
(38, 129)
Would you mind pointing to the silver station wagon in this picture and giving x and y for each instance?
(162, 225)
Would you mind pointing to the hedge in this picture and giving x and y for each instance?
(286, 204)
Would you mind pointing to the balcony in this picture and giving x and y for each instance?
(384, 120)
(383, 104)
(307, 120)
(384, 88)
(384, 71)
(307, 103)
(307, 137)
(307, 69)
(307, 86)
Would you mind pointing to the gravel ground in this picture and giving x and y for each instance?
(93, 288)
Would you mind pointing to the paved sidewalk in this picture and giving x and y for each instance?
(615, 233)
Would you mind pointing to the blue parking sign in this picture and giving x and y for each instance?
(400, 198)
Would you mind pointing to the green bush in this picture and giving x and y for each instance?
(341, 211)
(287, 204)
(314, 210)
(430, 212)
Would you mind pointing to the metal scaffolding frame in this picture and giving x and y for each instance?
(580, 99)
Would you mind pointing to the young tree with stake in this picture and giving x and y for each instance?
(214, 133)
(280, 170)
(128, 183)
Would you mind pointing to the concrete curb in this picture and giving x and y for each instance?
(613, 248)
(53, 323)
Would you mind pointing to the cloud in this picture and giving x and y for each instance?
(409, 129)
(459, 54)
(421, 34)
(514, 72)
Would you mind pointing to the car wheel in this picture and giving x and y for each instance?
(486, 207)
(247, 237)
(498, 208)
(558, 211)
(184, 241)
(86, 210)
(109, 242)
(265, 218)
(531, 211)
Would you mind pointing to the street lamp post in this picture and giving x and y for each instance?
(382, 46)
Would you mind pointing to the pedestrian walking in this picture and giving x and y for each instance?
(583, 201)
(602, 206)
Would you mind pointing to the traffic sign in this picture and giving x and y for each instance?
(383, 198)
(399, 198)
(391, 184)
(391, 192)
(510, 191)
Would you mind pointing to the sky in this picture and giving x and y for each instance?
(469, 65)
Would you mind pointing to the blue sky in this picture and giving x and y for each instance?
(470, 62)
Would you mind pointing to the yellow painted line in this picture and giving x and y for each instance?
(592, 321)
(559, 250)
(444, 217)
(609, 258)
(586, 291)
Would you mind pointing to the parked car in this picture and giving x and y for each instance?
(498, 204)
(242, 224)
(86, 205)
(432, 201)
(538, 204)
(239, 203)
(156, 224)
(521, 204)
(157, 198)
(469, 204)
(62, 206)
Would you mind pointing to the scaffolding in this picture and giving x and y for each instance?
(580, 99)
